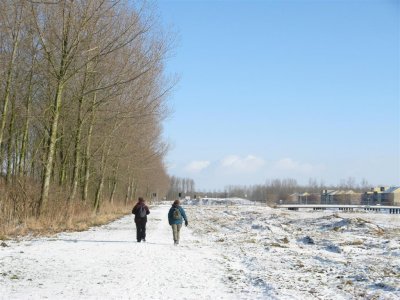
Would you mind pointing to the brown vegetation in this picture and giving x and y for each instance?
(82, 100)
(18, 203)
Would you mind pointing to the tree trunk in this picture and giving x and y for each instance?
(22, 158)
(77, 154)
(63, 158)
(133, 189)
(114, 187)
(44, 195)
(77, 148)
(99, 190)
(7, 95)
(128, 192)
(114, 183)
(10, 142)
(86, 177)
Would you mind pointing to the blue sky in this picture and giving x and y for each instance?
(284, 89)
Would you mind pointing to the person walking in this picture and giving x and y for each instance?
(140, 210)
(176, 215)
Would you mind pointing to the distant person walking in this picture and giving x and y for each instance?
(176, 215)
(140, 210)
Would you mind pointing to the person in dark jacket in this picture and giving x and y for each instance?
(140, 210)
(176, 215)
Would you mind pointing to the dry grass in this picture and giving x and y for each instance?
(353, 243)
(18, 213)
(76, 217)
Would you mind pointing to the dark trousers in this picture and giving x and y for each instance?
(140, 231)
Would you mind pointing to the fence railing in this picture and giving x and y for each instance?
(371, 208)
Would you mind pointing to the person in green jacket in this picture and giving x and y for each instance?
(176, 215)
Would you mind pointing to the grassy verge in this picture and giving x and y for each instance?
(19, 204)
(68, 217)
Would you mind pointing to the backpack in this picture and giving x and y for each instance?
(176, 214)
(142, 211)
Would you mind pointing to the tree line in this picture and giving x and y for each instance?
(277, 189)
(82, 100)
(181, 187)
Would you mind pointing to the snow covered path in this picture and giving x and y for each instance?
(107, 263)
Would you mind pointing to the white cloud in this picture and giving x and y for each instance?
(250, 163)
(197, 166)
(288, 164)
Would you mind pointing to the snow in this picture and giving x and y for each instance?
(227, 252)
(107, 263)
(217, 201)
(280, 254)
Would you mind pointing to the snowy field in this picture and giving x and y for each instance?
(227, 252)
(280, 254)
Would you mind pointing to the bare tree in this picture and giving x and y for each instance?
(83, 99)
